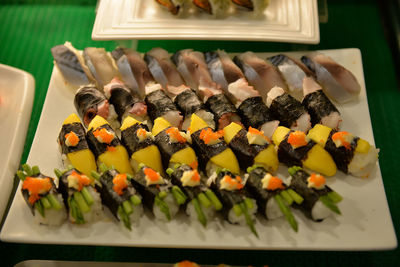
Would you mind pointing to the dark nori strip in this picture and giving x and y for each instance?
(190, 191)
(277, 60)
(254, 188)
(254, 112)
(205, 152)
(341, 155)
(122, 100)
(188, 102)
(290, 156)
(99, 148)
(130, 140)
(287, 109)
(53, 190)
(86, 98)
(310, 195)
(309, 63)
(318, 106)
(166, 147)
(78, 129)
(109, 197)
(158, 103)
(219, 105)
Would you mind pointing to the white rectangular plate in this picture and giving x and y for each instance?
(17, 89)
(282, 21)
(365, 223)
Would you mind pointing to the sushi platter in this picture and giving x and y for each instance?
(364, 224)
(282, 21)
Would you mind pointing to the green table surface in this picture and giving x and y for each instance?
(28, 30)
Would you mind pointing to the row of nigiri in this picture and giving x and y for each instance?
(214, 7)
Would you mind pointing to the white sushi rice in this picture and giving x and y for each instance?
(241, 220)
(209, 212)
(172, 205)
(333, 120)
(272, 210)
(219, 7)
(52, 217)
(135, 216)
(303, 123)
(173, 117)
(320, 211)
(96, 210)
(269, 128)
(259, 6)
(113, 117)
(362, 163)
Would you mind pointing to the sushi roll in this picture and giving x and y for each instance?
(352, 155)
(251, 147)
(338, 82)
(296, 149)
(119, 196)
(74, 147)
(106, 146)
(80, 196)
(125, 103)
(173, 6)
(224, 111)
(319, 200)
(140, 144)
(211, 148)
(271, 194)
(89, 102)
(157, 193)
(237, 207)
(212, 7)
(320, 108)
(256, 6)
(290, 112)
(42, 196)
(202, 202)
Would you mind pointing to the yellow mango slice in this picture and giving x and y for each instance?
(83, 161)
(159, 125)
(319, 134)
(362, 146)
(184, 156)
(280, 134)
(268, 157)
(149, 156)
(118, 158)
(128, 122)
(196, 123)
(231, 130)
(319, 160)
(226, 159)
(72, 119)
(97, 122)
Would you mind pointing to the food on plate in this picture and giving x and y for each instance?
(337, 81)
(74, 146)
(290, 112)
(140, 144)
(106, 146)
(80, 196)
(319, 200)
(42, 196)
(296, 149)
(119, 196)
(257, 6)
(251, 147)
(352, 155)
(173, 6)
(212, 7)
(318, 105)
(272, 195)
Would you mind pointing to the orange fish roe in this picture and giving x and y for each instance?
(257, 132)
(71, 139)
(275, 183)
(316, 180)
(151, 174)
(297, 139)
(141, 133)
(174, 133)
(120, 183)
(103, 135)
(342, 138)
(208, 135)
(235, 183)
(82, 180)
(186, 263)
(36, 186)
(194, 165)
(196, 176)
(111, 148)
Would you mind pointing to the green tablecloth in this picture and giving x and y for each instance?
(27, 32)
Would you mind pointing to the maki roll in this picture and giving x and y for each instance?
(173, 6)
(106, 146)
(319, 200)
(74, 146)
(80, 196)
(320, 108)
(139, 143)
(271, 195)
(89, 102)
(296, 149)
(118, 194)
(224, 111)
(290, 112)
(212, 7)
(42, 196)
(352, 155)
(257, 6)
(202, 202)
(251, 147)
(157, 193)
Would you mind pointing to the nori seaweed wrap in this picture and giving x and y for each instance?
(158, 104)
(188, 102)
(291, 156)
(254, 112)
(220, 105)
(287, 109)
(77, 129)
(131, 140)
(98, 147)
(319, 106)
